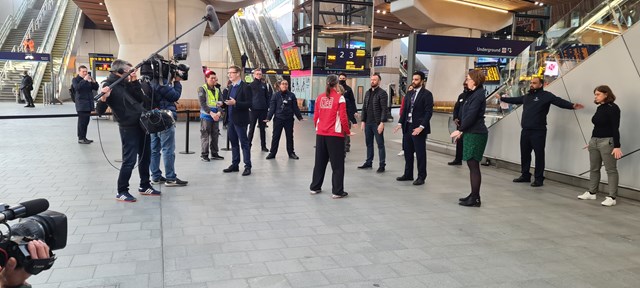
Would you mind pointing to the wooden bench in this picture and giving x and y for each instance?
(443, 106)
(188, 104)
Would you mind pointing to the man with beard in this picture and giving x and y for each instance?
(536, 106)
(374, 114)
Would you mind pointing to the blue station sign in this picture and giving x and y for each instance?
(461, 46)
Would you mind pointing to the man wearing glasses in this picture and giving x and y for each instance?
(238, 102)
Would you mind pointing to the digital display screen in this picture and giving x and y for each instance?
(345, 59)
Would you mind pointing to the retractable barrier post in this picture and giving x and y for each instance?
(187, 137)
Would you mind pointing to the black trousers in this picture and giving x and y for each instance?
(83, 122)
(418, 145)
(278, 125)
(27, 96)
(532, 140)
(329, 148)
(136, 144)
(258, 116)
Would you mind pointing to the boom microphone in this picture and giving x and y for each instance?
(212, 19)
(24, 209)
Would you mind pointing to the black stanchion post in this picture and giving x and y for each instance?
(227, 149)
(187, 138)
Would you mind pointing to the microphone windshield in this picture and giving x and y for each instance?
(212, 18)
(35, 206)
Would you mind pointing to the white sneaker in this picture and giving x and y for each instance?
(587, 196)
(608, 202)
(401, 153)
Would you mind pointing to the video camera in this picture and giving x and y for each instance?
(36, 223)
(157, 68)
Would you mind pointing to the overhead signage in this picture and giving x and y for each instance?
(292, 56)
(491, 73)
(39, 57)
(268, 71)
(461, 46)
(100, 61)
(380, 61)
(552, 69)
(345, 59)
(180, 51)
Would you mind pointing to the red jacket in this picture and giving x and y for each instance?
(330, 115)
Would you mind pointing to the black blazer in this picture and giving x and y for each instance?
(84, 93)
(422, 110)
(244, 97)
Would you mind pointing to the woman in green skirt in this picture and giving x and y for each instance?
(475, 134)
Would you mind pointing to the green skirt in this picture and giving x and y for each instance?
(473, 146)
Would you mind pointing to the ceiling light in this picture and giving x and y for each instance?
(375, 31)
(398, 34)
(479, 6)
(378, 11)
(101, 4)
(385, 27)
(105, 20)
(352, 22)
(414, 31)
(384, 12)
(400, 22)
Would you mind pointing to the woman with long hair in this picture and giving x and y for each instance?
(604, 145)
(331, 122)
(475, 133)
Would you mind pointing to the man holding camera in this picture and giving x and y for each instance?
(238, 102)
(210, 113)
(164, 143)
(83, 85)
(127, 101)
(12, 277)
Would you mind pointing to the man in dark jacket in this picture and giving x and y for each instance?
(374, 114)
(415, 124)
(536, 106)
(26, 86)
(284, 106)
(163, 143)
(238, 103)
(457, 112)
(352, 110)
(83, 85)
(127, 102)
(260, 103)
(244, 59)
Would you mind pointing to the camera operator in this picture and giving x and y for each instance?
(164, 98)
(12, 277)
(127, 103)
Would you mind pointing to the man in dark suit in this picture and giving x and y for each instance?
(238, 102)
(83, 85)
(414, 122)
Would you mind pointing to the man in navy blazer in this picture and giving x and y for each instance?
(414, 122)
(238, 101)
(83, 85)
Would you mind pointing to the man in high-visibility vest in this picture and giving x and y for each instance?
(210, 114)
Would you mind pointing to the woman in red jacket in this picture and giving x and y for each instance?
(332, 124)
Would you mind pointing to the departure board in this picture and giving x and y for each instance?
(345, 59)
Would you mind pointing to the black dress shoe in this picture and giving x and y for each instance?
(83, 141)
(537, 183)
(522, 179)
(294, 156)
(464, 199)
(217, 157)
(471, 202)
(264, 149)
(404, 178)
(380, 170)
(231, 169)
(90, 141)
(365, 166)
(246, 172)
(270, 156)
(205, 158)
(455, 163)
(418, 182)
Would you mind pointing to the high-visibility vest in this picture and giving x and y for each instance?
(212, 99)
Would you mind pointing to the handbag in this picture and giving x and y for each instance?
(156, 120)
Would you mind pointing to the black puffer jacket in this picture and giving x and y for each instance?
(380, 110)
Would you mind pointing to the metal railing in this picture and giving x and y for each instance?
(33, 26)
(66, 56)
(13, 21)
(48, 41)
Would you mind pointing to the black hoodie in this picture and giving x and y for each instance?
(536, 107)
(126, 111)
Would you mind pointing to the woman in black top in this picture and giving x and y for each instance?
(475, 132)
(604, 145)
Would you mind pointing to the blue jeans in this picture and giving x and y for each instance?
(370, 132)
(238, 137)
(164, 141)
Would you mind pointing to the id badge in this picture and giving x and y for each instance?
(410, 114)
